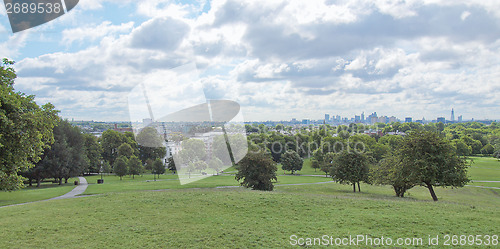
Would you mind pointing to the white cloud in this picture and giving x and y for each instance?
(94, 32)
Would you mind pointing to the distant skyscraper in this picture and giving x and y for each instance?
(357, 119)
(408, 120)
(460, 118)
(452, 115)
(327, 118)
(363, 117)
(441, 119)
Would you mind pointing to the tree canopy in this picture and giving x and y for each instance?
(26, 129)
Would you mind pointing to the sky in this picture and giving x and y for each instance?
(278, 59)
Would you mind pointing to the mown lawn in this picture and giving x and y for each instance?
(485, 168)
(28, 194)
(241, 218)
(114, 184)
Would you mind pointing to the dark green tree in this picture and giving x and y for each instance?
(171, 165)
(291, 161)
(135, 166)
(350, 168)
(120, 167)
(257, 171)
(158, 167)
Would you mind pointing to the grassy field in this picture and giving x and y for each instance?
(485, 168)
(124, 215)
(29, 194)
(241, 218)
(114, 184)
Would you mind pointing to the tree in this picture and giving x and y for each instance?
(150, 144)
(462, 148)
(350, 168)
(135, 166)
(291, 161)
(66, 157)
(488, 149)
(433, 161)
(257, 171)
(149, 164)
(215, 164)
(315, 164)
(25, 128)
(120, 167)
(391, 171)
(125, 150)
(93, 153)
(158, 167)
(200, 165)
(110, 141)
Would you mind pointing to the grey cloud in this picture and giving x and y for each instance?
(164, 34)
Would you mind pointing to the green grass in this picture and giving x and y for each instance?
(485, 168)
(29, 194)
(126, 215)
(240, 218)
(114, 184)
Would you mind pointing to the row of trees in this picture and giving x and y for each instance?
(422, 158)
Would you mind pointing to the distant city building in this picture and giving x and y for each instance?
(441, 119)
(460, 118)
(357, 119)
(363, 117)
(383, 119)
(147, 121)
(393, 119)
(327, 118)
(408, 120)
(305, 121)
(452, 115)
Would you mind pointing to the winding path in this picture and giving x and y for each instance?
(79, 189)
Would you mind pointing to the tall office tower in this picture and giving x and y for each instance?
(452, 115)
(460, 118)
(363, 117)
(327, 118)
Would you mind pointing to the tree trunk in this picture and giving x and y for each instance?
(30, 180)
(354, 187)
(359, 189)
(65, 180)
(431, 190)
(38, 181)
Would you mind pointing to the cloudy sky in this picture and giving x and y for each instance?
(278, 59)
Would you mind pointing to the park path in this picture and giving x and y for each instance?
(79, 189)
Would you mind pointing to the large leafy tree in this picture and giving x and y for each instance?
(25, 129)
(120, 167)
(93, 152)
(433, 161)
(291, 161)
(150, 144)
(350, 168)
(135, 166)
(66, 158)
(158, 167)
(391, 171)
(257, 171)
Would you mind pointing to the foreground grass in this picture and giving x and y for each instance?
(240, 218)
(29, 194)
